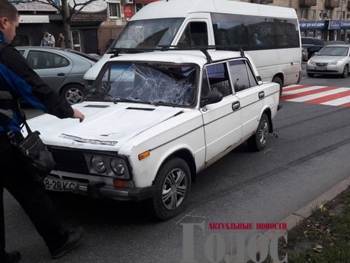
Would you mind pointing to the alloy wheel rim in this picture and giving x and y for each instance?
(74, 96)
(263, 132)
(174, 189)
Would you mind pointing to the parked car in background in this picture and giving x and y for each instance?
(332, 59)
(154, 120)
(310, 46)
(62, 69)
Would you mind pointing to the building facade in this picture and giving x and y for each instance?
(36, 16)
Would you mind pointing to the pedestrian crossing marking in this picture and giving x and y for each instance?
(324, 95)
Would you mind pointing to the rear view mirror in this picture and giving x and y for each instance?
(213, 96)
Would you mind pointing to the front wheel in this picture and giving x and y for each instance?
(258, 140)
(73, 93)
(345, 71)
(172, 188)
(311, 75)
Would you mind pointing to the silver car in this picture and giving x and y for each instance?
(332, 59)
(62, 69)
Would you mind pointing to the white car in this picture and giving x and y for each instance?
(154, 120)
(332, 59)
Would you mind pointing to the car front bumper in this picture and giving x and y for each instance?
(329, 69)
(102, 190)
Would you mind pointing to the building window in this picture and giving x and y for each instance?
(314, 14)
(304, 13)
(138, 6)
(114, 10)
(338, 15)
(329, 14)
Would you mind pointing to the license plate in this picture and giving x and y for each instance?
(60, 185)
(321, 68)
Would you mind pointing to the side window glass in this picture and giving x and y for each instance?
(59, 61)
(37, 60)
(239, 75)
(218, 78)
(205, 84)
(195, 34)
(44, 60)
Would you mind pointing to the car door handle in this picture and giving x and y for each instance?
(235, 106)
(61, 74)
(261, 95)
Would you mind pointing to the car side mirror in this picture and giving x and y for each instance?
(213, 96)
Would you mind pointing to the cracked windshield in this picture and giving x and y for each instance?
(148, 83)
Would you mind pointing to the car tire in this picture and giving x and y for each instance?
(258, 141)
(345, 73)
(311, 75)
(172, 185)
(73, 93)
(278, 81)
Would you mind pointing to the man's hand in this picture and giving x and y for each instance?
(78, 115)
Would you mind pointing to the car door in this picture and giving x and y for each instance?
(249, 93)
(222, 120)
(51, 67)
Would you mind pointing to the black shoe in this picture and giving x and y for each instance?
(12, 257)
(73, 240)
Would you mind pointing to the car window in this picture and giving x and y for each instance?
(41, 60)
(241, 75)
(306, 41)
(318, 42)
(218, 78)
(334, 51)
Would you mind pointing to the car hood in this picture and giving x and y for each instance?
(326, 59)
(106, 126)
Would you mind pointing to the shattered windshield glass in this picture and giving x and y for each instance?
(150, 83)
(147, 33)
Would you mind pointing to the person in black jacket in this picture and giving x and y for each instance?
(18, 80)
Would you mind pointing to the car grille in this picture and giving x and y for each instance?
(321, 64)
(69, 160)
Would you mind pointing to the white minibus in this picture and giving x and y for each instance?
(269, 34)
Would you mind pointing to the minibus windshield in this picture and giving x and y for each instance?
(147, 33)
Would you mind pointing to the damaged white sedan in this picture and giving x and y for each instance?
(153, 120)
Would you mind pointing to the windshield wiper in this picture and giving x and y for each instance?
(100, 93)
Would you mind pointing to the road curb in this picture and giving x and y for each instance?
(293, 219)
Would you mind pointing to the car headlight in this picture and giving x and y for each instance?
(98, 164)
(311, 62)
(108, 165)
(335, 62)
(118, 166)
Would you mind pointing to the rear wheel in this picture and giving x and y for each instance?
(73, 93)
(278, 81)
(172, 188)
(345, 71)
(258, 140)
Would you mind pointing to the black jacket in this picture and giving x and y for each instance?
(18, 80)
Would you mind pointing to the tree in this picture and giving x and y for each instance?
(68, 13)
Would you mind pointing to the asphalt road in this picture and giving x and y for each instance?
(309, 156)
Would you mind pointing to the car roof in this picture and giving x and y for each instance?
(67, 50)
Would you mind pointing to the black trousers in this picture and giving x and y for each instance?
(30, 194)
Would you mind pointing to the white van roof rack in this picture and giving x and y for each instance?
(204, 49)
